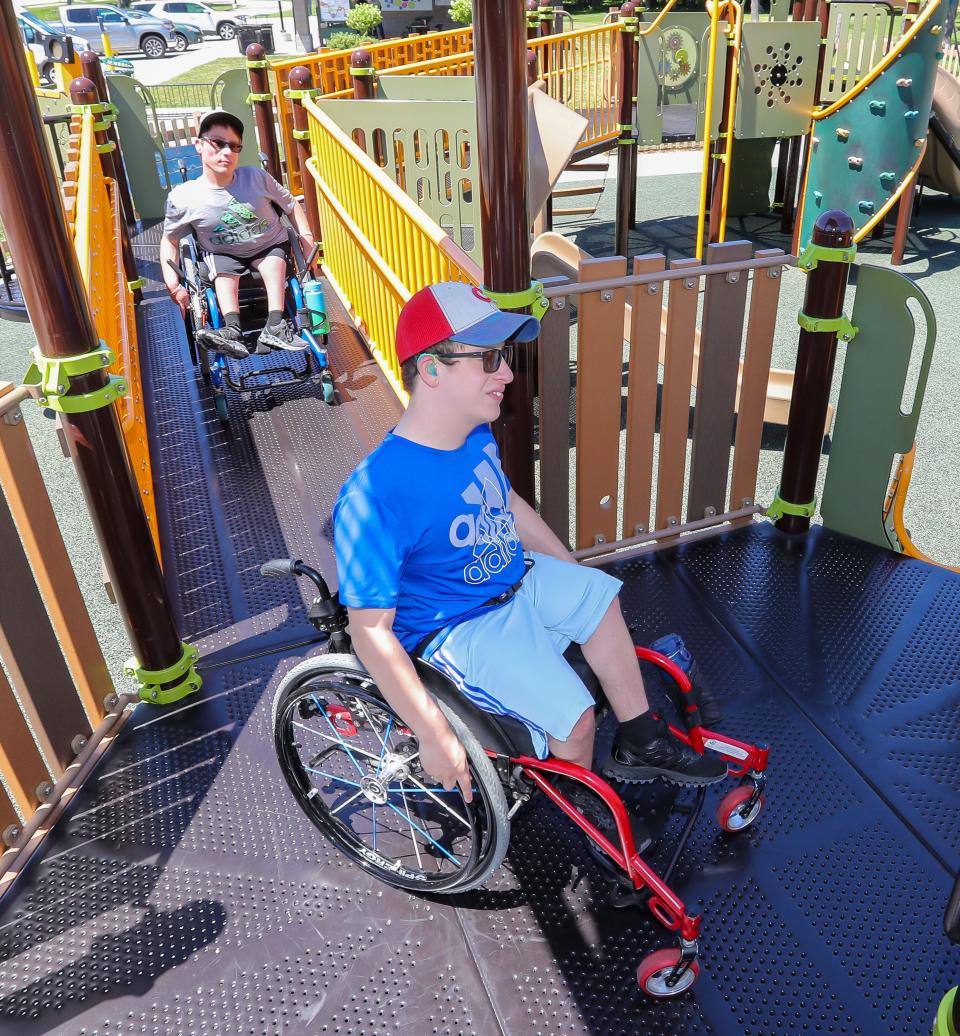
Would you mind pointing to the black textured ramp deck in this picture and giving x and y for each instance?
(184, 892)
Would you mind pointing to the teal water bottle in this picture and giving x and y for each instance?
(316, 307)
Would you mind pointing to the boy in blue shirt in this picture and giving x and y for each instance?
(433, 543)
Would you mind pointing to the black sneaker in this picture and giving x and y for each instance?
(665, 756)
(595, 810)
(281, 336)
(228, 339)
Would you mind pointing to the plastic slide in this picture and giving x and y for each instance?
(941, 164)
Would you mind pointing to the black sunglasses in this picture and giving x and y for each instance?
(221, 145)
(491, 358)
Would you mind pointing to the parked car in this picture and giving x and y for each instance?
(187, 35)
(35, 31)
(153, 36)
(190, 12)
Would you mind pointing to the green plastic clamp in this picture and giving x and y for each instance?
(102, 149)
(303, 134)
(841, 325)
(629, 24)
(183, 678)
(624, 127)
(140, 282)
(258, 64)
(780, 507)
(298, 95)
(52, 375)
(814, 254)
(259, 97)
(532, 297)
(363, 71)
(97, 107)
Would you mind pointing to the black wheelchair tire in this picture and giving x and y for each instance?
(328, 674)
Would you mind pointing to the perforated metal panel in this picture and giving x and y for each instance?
(186, 893)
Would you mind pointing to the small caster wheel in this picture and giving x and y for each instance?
(223, 412)
(654, 971)
(328, 388)
(733, 814)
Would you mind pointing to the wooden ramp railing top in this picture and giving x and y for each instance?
(637, 478)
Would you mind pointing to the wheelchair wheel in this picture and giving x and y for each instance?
(353, 767)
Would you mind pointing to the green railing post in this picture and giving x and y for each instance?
(301, 85)
(92, 69)
(500, 68)
(83, 93)
(626, 151)
(262, 100)
(49, 275)
(828, 262)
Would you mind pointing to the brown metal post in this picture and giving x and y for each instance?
(721, 174)
(627, 147)
(634, 157)
(533, 19)
(361, 71)
(533, 67)
(904, 215)
(262, 101)
(49, 276)
(816, 353)
(499, 47)
(301, 78)
(84, 91)
(92, 69)
(546, 22)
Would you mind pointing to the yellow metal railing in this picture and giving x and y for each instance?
(331, 74)
(93, 211)
(379, 246)
(579, 69)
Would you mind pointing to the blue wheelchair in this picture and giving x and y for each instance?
(304, 307)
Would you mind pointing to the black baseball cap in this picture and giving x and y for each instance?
(219, 117)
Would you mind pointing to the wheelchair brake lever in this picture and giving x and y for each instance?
(177, 269)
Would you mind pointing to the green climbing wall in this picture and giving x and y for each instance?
(863, 151)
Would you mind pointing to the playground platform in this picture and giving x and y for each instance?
(184, 892)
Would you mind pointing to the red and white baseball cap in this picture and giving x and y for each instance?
(462, 313)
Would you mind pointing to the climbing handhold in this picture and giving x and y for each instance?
(843, 134)
(919, 142)
(855, 163)
(935, 30)
(878, 107)
(888, 179)
(866, 207)
(911, 114)
(818, 196)
(904, 83)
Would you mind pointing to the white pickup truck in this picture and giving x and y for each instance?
(152, 36)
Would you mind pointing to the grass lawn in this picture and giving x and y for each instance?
(49, 13)
(208, 72)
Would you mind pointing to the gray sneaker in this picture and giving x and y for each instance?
(281, 336)
(228, 339)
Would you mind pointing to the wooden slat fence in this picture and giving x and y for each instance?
(710, 326)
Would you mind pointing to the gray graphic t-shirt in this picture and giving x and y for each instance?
(238, 220)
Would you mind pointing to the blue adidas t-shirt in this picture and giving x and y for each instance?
(428, 532)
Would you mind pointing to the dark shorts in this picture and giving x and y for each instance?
(232, 266)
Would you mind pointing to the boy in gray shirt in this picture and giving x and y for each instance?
(232, 210)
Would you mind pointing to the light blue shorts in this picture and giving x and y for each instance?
(509, 660)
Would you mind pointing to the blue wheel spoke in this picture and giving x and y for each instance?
(428, 837)
(383, 745)
(332, 777)
(323, 712)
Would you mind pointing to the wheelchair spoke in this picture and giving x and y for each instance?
(439, 802)
(430, 839)
(332, 777)
(345, 803)
(416, 848)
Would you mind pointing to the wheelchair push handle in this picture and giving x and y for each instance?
(281, 568)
